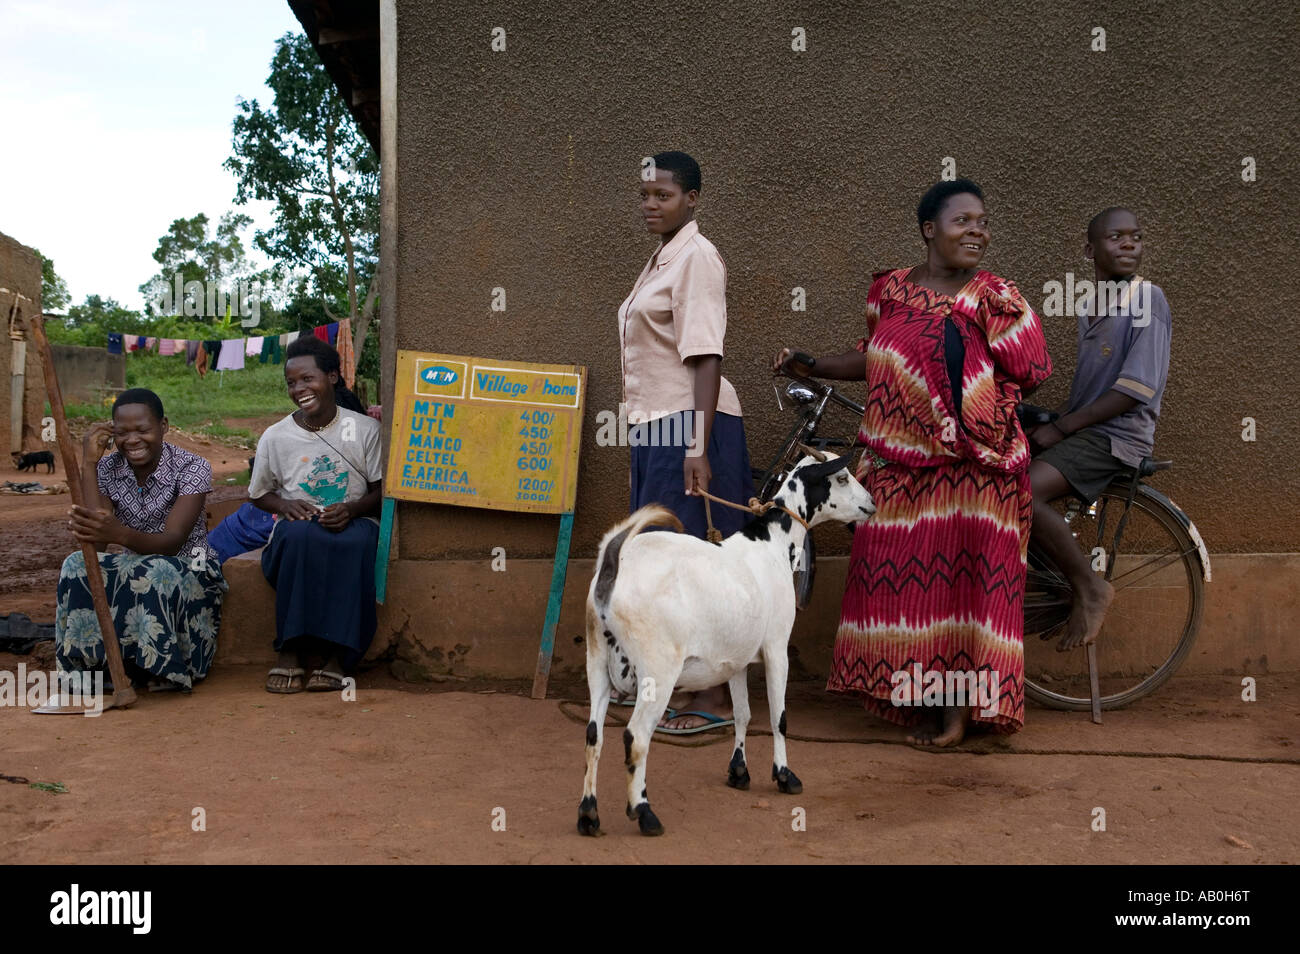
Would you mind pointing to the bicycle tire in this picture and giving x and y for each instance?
(1173, 521)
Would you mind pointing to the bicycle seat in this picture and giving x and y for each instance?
(1149, 465)
(1031, 415)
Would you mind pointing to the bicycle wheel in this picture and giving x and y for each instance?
(1153, 621)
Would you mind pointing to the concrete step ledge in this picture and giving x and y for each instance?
(459, 617)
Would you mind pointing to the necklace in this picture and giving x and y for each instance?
(322, 427)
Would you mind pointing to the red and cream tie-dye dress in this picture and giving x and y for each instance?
(936, 579)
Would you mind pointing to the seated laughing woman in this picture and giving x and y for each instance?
(164, 591)
(318, 472)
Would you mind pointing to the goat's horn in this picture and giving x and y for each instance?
(813, 452)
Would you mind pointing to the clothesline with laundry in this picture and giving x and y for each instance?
(234, 354)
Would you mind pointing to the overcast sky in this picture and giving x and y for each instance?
(117, 120)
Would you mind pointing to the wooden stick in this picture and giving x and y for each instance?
(123, 694)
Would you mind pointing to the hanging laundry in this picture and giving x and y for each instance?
(232, 355)
(332, 332)
(166, 346)
(191, 352)
(213, 348)
(141, 343)
(253, 347)
(322, 332)
(201, 359)
(114, 342)
(291, 337)
(270, 349)
(347, 359)
(150, 343)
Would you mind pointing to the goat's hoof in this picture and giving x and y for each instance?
(588, 818)
(786, 781)
(647, 821)
(739, 779)
(738, 772)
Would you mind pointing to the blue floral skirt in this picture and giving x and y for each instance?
(165, 613)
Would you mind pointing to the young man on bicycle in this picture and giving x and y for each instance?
(1108, 424)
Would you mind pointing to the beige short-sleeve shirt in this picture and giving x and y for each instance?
(677, 310)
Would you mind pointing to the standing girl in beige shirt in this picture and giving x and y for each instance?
(685, 424)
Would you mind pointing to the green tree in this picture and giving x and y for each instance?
(54, 290)
(192, 252)
(90, 323)
(306, 155)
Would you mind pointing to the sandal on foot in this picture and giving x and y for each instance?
(323, 680)
(711, 721)
(294, 679)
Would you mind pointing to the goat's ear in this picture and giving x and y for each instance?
(819, 471)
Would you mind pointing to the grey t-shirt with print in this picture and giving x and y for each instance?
(325, 467)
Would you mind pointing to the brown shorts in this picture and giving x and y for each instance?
(1085, 460)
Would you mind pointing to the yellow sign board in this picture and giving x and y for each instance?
(480, 432)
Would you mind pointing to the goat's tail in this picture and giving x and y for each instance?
(611, 546)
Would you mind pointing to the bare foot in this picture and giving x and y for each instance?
(930, 726)
(1088, 614)
(952, 731)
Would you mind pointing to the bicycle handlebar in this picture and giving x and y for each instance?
(825, 390)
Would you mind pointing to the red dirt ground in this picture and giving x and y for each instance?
(408, 774)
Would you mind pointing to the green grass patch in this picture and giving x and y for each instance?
(191, 401)
(81, 411)
(201, 405)
(240, 479)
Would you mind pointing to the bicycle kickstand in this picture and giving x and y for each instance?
(1092, 683)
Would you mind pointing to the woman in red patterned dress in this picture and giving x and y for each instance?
(931, 627)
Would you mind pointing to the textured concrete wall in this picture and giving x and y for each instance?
(20, 271)
(84, 373)
(449, 617)
(518, 169)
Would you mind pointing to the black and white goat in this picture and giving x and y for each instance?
(667, 609)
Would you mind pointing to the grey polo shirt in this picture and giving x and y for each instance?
(1126, 350)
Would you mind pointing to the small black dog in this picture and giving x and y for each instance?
(32, 460)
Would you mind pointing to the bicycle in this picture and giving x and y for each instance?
(1154, 557)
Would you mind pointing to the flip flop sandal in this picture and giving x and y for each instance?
(711, 722)
(322, 680)
(294, 673)
(616, 700)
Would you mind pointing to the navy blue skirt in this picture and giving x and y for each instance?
(324, 584)
(659, 453)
